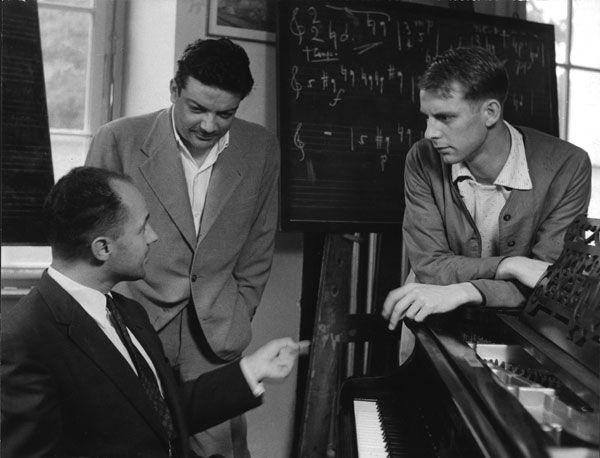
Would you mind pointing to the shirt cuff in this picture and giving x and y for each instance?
(256, 387)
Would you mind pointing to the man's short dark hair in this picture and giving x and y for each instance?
(478, 70)
(81, 206)
(216, 63)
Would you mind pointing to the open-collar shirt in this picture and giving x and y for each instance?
(197, 177)
(484, 201)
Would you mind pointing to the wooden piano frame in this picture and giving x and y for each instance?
(563, 309)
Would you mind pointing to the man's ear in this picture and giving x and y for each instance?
(492, 112)
(174, 89)
(101, 248)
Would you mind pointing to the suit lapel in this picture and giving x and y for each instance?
(164, 173)
(226, 176)
(87, 335)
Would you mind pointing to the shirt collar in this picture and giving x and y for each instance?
(514, 174)
(92, 300)
(214, 152)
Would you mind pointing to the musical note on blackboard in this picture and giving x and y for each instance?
(349, 100)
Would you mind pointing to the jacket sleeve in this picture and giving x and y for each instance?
(574, 201)
(428, 249)
(31, 414)
(103, 151)
(253, 265)
(216, 396)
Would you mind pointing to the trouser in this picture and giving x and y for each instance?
(190, 356)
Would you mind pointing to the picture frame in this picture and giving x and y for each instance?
(249, 19)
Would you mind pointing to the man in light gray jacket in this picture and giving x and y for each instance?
(210, 181)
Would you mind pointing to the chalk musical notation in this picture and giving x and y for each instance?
(383, 143)
(349, 97)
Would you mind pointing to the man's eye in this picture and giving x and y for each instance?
(225, 115)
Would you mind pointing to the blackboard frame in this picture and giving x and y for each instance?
(319, 224)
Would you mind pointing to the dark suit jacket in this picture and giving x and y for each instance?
(67, 391)
(225, 268)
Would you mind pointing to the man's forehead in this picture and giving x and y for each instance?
(450, 90)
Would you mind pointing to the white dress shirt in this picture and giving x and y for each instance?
(94, 304)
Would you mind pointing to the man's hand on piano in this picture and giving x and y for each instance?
(417, 301)
(526, 270)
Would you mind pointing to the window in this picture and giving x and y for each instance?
(77, 44)
(82, 51)
(578, 74)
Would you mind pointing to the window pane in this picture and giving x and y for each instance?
(586, 33)
(561, 82)
(552, 12)
(80, 3)
(68, 151)
(65, 47)
(584, 102)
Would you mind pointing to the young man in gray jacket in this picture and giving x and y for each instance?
(487, 203)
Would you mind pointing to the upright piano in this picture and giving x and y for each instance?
(493, 383)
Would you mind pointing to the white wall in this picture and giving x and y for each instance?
(149, 50)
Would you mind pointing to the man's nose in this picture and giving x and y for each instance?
(209, 123)
(151, 236)
(432, 131)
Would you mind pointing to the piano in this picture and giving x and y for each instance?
(492, 383)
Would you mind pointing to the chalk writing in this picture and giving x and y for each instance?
(349, 81)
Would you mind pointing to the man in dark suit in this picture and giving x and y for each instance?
(83, 371)
(210, 182)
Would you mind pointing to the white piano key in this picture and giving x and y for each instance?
(369, 432)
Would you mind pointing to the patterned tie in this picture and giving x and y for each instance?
(145, 374)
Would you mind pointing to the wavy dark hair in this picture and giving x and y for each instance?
(217, 63)
(81, 206)
(480, 72)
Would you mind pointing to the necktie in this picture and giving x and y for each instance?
(145, 374)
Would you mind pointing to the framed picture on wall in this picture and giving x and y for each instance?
(246, 19)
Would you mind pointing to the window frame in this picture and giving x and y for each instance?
(102, 103)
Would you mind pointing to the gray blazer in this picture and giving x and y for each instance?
(224, 269)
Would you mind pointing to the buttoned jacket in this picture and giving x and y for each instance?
(442, 240)
(67, 391)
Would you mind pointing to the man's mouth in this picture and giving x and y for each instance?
(204, 137)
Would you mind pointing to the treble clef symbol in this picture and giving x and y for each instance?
(296, 86)
(296, 28)
(298, 143)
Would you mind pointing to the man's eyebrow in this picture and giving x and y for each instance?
(202, 107)
(196, 104)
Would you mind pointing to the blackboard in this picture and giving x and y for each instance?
(26, 160)
(349, 101)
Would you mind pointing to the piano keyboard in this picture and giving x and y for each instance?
(390, 427)
(369, 432)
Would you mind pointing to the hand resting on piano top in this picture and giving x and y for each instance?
(417, 301)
